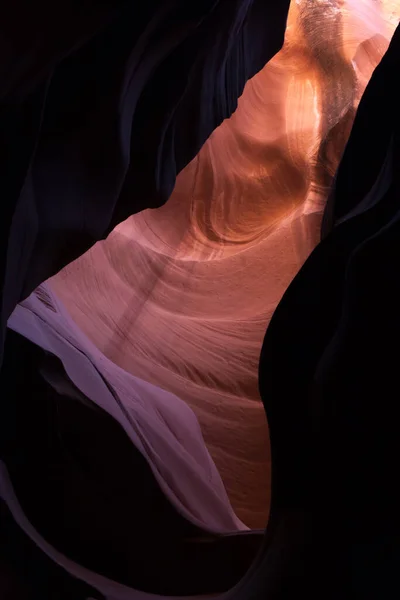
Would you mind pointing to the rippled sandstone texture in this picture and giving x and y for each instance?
(181, 296)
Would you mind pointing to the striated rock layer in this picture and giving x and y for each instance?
(181, 296)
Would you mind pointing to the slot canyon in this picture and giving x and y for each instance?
(140, 322)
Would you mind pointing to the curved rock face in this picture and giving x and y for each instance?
(181, 296)
(82, 121)
(96, 124)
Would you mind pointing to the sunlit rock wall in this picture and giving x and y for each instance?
(181, 296)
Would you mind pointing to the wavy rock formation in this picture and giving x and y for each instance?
(181, 296)
(101, 106)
